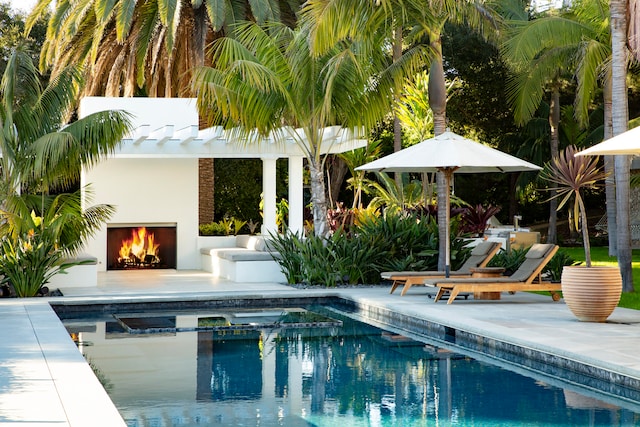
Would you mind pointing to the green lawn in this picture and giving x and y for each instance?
(600, 256)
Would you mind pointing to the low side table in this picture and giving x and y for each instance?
(486, 272)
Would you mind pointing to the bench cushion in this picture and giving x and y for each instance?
(245, 255)
(247, 241)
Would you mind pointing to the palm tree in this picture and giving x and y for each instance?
(620, 120)
(267, 79)
(147, 45)
(41, 161)
(541, 51)
(335, 22)
(40, 153)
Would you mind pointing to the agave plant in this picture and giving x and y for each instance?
(572, 174)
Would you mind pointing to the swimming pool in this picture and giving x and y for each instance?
(286, 367)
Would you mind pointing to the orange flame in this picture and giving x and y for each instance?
(140, 246)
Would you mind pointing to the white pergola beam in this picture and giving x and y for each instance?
(186, 134)
(139, 134)
(162, 135)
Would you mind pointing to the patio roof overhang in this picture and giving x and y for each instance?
(168, 128)
(216, 142)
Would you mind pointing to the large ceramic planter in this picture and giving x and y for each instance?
(591, 293)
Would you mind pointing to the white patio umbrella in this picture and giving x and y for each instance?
(625, 143)
(449, 153)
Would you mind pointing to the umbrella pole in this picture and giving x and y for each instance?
(447, 267)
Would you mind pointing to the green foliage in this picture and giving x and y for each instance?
(238, 187)
(225, 227)
(319, 261)
(282, 214)
(12, 36)
(556, 264)
(414, 111)
(269, 80)
(358, 260)
(238, 224)
(291, 260)
(572, 175)
(387, 193)
(403, 237)
(212, 229)
(42, 156)
(397, 242)
(29, 260)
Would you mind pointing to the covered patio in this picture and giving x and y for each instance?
(152, 178)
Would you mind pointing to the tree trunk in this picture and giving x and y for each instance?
(318, 199)
(620, 119)
(206, 191)
(397, 127)
(438, 103)
(609, 168)
(554, 123)
(337, 169)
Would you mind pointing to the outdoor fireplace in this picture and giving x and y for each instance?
(138, 247)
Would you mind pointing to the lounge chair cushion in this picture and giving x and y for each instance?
(482, 248)
(538, 250)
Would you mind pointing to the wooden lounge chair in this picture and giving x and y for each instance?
(481, 254)
(526, 278)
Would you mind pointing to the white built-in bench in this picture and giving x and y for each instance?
(78, 276)
(245, 259)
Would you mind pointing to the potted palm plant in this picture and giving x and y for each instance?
(591, 292)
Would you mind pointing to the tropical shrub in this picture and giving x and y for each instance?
(212, 229)
(557, 263)
(224, 227)
(291, 260)
(358, 260)
(402, 237)
(41, 224)
(29, 260)
(397, 242)
(474, 218)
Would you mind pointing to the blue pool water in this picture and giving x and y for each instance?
(284, 367)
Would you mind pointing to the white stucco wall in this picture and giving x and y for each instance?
(155, 112)
(152, 178)
(148, 190)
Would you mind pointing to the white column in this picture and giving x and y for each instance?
(269, 195)
(296, 198)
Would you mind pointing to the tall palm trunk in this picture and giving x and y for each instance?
(438, 103)
(397, 127)
(397, 55)
(318, 198)
(554, 142)
(609, 168)
(620, 118)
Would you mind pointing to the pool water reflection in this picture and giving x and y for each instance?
(247, 369)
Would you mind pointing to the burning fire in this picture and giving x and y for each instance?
(141, 248)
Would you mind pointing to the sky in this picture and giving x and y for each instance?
(23, 5)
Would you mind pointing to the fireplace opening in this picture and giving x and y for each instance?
(141, 247)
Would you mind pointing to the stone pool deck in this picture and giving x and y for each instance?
(45, 381)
